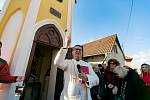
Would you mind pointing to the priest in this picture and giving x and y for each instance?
(79, 76)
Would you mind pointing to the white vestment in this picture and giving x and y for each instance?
(73, 89)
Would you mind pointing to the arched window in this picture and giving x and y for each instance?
(60, 1)
(115, 49)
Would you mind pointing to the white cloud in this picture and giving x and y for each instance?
(1, 3)
(140, 58)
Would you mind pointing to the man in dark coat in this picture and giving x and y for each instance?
(98, 92)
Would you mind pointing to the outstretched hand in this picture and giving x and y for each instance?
(68, 42)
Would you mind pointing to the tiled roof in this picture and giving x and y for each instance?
(100, 46)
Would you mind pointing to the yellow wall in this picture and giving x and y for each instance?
(14, 5)
(44, 11)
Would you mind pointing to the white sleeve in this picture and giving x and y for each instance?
(60, 60)
(92, 77)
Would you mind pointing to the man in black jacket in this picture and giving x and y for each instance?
(98, 92)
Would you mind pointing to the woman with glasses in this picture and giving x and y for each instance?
(113, 82)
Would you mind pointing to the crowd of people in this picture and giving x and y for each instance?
(115, 82)
(122, 82)
(83, 81)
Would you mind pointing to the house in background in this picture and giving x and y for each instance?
(101, 50)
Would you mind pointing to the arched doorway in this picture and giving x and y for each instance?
(46, 40)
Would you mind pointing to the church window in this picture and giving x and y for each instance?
(115, 49)
(60, 1)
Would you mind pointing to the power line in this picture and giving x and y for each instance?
(129, 20)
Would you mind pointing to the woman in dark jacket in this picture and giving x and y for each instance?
(113, 82)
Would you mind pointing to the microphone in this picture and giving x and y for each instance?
(78, 67)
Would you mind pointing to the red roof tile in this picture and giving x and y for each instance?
(100, 46)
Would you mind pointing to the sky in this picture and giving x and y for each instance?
(95, 19)
(1, 3)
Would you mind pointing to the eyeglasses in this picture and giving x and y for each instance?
(112, 63)
(76, 49)
(144, 67)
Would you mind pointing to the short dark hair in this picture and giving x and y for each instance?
(100, 65)
(115, 62)
(78, 46)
